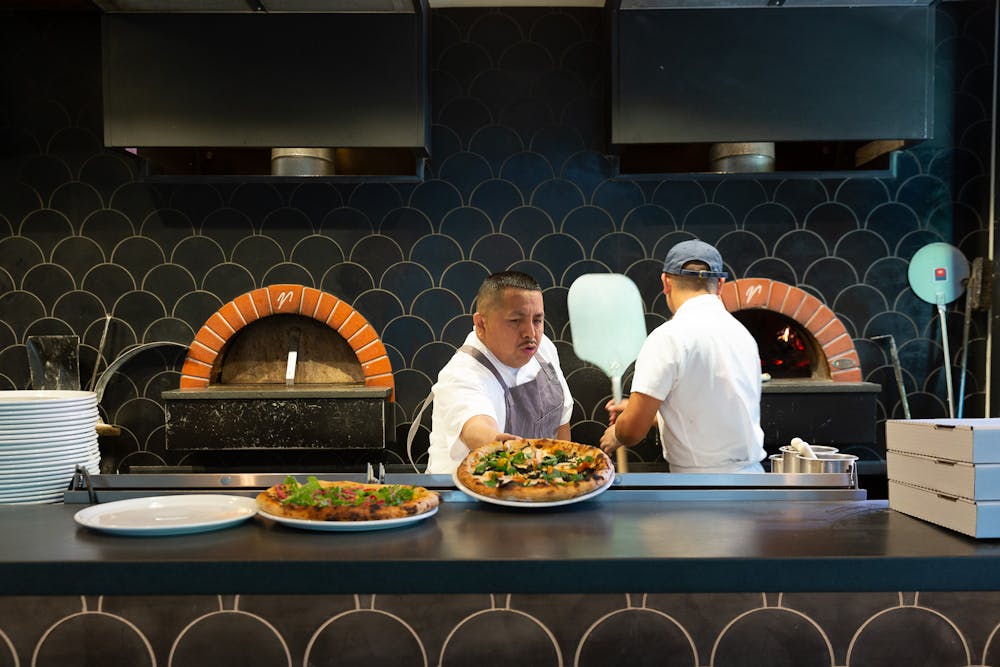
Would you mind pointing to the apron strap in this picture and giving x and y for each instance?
(481, 358)
(412, 432)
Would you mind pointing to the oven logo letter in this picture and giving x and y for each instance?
(751, 292)
(285, 297)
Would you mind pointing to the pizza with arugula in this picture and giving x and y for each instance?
(319, 500)
(535, 470)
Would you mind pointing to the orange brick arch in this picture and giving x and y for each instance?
(807, 311)
(212, 338)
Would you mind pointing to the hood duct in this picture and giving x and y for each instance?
(302, 162)
(754, 86)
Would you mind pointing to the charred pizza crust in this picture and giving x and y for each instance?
(320, 500)
(535, 470)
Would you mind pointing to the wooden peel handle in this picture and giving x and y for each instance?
(621, 460)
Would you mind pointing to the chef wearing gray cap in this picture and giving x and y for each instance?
(697, 375)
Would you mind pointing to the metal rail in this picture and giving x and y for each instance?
(626, 486)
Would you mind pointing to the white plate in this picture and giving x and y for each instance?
(48, 439)
(50, 491)
(65, 451)
(30, 401)
(350, 526)
(48, 471)
(527, 503)
(167, 515)
(46, 499)
(9, 429)
(9, 419)
(65, 463)
(46, 397)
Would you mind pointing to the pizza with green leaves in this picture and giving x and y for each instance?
(319, 500)
(535, 470)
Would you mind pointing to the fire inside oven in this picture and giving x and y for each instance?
(787, 350)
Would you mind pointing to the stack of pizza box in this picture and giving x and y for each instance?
(946, 471)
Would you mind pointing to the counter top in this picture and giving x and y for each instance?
(595, 547)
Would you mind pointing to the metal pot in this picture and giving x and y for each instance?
(777, 463)
(791, 456)
(836, 463)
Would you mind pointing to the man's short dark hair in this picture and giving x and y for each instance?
(492, 289)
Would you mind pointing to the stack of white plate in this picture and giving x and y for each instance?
(44, 435)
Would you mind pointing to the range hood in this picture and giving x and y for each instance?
(246, 94)
(761, 85)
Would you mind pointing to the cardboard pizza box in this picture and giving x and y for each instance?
(956, 478)
(979, 519)
(970, 440)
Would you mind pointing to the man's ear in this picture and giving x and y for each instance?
(666, 283)
(479, 323)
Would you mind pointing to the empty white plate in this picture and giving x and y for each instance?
(167, 515)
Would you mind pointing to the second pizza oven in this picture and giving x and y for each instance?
(283, 367)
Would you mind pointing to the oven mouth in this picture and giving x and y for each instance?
(799, 337)
(250, 341)
(787, 350)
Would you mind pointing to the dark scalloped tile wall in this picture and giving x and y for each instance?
(518, 179)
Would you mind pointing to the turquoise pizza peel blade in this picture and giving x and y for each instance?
(608, 324)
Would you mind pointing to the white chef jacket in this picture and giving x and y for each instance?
(465, 388)
(705, 368)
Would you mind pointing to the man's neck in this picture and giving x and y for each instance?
(680, 297)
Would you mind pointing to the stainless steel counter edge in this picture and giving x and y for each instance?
(592, 547)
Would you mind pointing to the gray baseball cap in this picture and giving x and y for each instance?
(694, 251)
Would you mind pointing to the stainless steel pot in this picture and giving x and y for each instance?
(777, 463)
(837, 463)
(791, 456)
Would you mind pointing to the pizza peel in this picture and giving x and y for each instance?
(937, 274)
(608, 324)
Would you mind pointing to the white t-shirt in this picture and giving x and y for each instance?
(707, 367)
(465, 388)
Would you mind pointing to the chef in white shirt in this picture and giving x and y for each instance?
(697, 375)
(504, 382)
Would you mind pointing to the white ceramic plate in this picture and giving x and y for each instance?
(37, 408)
(36, 491)
(167, 515)
(11, 419)
(49, 472)
(66, 451)
(529, 504)
(54, 441)
(42, 434)
(16, 466)
(350, 526)
(35, 499)
(46, 397)
(29, 427)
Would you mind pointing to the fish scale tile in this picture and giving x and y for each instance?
(518, 122)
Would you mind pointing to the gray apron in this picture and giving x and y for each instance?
(534, 409)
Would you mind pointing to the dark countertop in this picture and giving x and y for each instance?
(595, 547)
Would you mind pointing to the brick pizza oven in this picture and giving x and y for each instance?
(283, 367)
(816, 390)
(787, 320)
